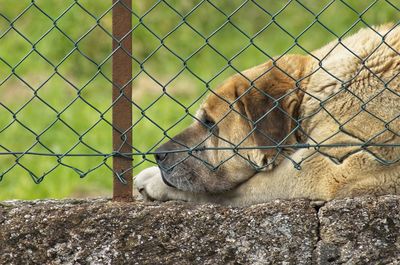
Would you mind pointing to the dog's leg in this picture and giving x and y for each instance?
(258, 189)
(151, 186)
(316, 181)
(281, 183)
(149, 183)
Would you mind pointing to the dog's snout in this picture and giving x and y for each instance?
(160, 157)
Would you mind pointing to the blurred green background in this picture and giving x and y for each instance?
(55, 69)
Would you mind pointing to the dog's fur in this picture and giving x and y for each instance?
(345, 93)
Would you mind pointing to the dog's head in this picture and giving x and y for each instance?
(234, 130)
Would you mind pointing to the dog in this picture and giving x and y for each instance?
(319, 126)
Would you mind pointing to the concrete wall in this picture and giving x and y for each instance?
(352, 231)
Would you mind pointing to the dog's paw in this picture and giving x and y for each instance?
(151, 186)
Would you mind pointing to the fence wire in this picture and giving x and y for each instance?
(56, 83)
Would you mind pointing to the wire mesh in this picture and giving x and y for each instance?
(56, 83)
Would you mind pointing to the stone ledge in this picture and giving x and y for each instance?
(359, 231)
(353, 231)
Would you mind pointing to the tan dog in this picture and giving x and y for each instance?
(346, 94)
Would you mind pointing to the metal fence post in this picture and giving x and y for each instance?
(122, 95)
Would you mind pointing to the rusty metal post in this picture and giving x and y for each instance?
(122, 108)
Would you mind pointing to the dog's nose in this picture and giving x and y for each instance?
(161, 157)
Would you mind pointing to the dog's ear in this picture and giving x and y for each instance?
(270, 105)
(271, 117)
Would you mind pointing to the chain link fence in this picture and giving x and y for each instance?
(57, 113)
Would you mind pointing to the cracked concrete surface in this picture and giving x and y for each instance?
(362, 230)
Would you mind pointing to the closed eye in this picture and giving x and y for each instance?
(208, 122)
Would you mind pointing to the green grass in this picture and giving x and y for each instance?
(76, 49)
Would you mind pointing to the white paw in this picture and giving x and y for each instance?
(150, 184)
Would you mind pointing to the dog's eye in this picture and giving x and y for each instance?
(208, 123)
